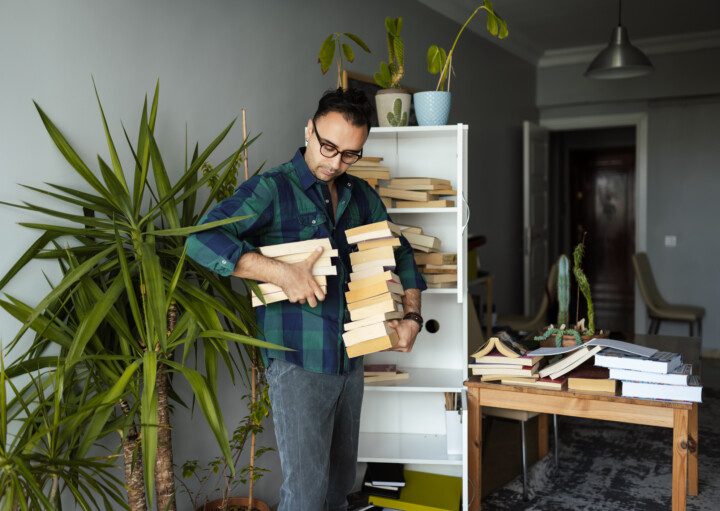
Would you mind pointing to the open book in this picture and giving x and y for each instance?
(502, 343)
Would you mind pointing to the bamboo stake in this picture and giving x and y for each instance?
(245, 151)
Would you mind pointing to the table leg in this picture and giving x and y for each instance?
(693, 454)
(474, 449)
(543, 445)
(680, 459)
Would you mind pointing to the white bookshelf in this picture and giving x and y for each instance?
(403, 421)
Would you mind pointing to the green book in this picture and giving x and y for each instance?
(425, 492)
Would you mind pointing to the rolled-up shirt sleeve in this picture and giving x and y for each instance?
(406, 269)
(220, 248)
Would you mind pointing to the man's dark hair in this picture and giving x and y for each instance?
(352, 103)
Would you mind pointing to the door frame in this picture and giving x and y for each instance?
(639, 120)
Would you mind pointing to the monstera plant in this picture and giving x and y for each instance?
(129, 308)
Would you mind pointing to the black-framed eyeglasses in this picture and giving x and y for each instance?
(329, 150)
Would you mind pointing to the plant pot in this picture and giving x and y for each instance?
(393, 107)
(569, 340)
(432, 108)
(235, 504)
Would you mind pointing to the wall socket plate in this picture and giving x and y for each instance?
(670, 240)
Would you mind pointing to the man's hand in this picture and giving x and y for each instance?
(298, 283)
(407, 331)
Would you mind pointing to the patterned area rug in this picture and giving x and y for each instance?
(612, 466)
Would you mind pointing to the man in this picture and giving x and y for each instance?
(315, 390)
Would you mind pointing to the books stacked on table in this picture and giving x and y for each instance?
(501, 357)
(588, 377)
(296, 252)
(383, 372)
(418, 192)
(384, 479)
(660, 376)
(374, 294)
(439, 269)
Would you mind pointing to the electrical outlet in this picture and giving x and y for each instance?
(670, 240)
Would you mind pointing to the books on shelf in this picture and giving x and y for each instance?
(373, 172)
(569, 362)
(591, 378)
(661, 362)
(440, 278)
(540, 383)
(372, 160)
(425, 204)
(679, 376)
(422, 242)
(437, 258)
(690, 392)
(409, 228)
(397, 193)
(419, 183)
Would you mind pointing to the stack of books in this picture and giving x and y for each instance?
(501, 357)
(372, 170)
(660, 376)
(439, 269)
(384, 479)
(418, 192)
(296, 252)
(383, 372)
(374, 294)
(588, 377)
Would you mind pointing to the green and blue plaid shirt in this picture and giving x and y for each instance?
(288, 204)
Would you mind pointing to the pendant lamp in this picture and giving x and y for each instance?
(620, 59)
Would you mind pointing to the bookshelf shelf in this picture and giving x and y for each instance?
(416, 448)
(423, 379)
(441, 291)
(394, 211)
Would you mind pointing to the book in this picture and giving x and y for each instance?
(386, 474)
(383, 276)
(369, 271)
(690, 392)
(591, 378)
(372, 345)
(274, 297)
(504, 345)
(373, 369)
(373, 300)
(295, 247)
(441, 285)
(661, 362)
(388, 305)
(384, 265)
(370, 159)
(424, 491)
(368, 172)
(606, 343)
(409, 228)
(377, 318)
(321, 261)
(382, 229)
(500, 377)
(422, 240)
(324, 270)
(481, 369)
(267, 288)
(495, 357)
(366, 333)
(424, 204)
(397, 193)
(422, 248)
(568, 362)
(374, 378)
(679, 376)
(387, 202)
(442, 192)
(439, 258)
(417, 183)
(379, 288)
(541, 383)
(439, 278)
(381, 242)
(387, 491)
(374, 254)
(301, 256)
(452, 267)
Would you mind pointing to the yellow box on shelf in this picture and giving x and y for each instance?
(425, 492)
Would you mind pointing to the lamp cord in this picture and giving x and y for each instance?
(619, 13)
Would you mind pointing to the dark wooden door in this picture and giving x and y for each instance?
(602, 188)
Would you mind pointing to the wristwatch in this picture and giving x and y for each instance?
(415, 317)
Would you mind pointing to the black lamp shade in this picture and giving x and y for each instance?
(620, 59)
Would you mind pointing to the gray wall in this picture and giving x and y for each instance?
(682, 103)
(212, 59)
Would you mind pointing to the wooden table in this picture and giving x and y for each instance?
(680, 416)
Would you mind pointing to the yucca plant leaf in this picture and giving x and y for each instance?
(185, 231)
(141, 167)
(100, 204)
(149, 423)
(162, 182)
(60, 230)
(56, 332)
(28, 256)
(120, 175)
(244, 339)
(71, 200)
(119, 191)
(154, 300)
(80, 219)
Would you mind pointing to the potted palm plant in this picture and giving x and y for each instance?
(432, 108)
(338, 43)
(138, 308)
(391, 101)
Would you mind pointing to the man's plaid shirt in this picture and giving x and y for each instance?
(288, 204)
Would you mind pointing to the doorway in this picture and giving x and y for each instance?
(592, 198)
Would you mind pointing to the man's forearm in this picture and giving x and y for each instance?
(411, 301)
(252, 265)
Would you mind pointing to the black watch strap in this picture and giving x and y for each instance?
(415, 317)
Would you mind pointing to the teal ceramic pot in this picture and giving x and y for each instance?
(432, 108)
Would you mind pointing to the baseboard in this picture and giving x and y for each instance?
(711, 353)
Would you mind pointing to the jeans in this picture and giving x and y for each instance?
(317, 423)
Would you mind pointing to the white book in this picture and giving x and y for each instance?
(607, 343)
(295, 247)
(383, 264)
(568, 363)
(661, 362)
(377, 318)
(324, 270)
(366, 333)
(513, 371)
(367, 272)
(690, 392)
(679, 376)
(296, 258)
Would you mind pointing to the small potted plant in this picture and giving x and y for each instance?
(334, 42)
(217, 476)
(391, 101)
(432, 108)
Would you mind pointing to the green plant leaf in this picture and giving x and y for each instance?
(28, 256)
(244, 339)
(119, 174)
(382, 77)
(348, 51)
(357, 41)
(435, 59)
(327, 53)
(185, 231)
(154, 297)
(149, 423)
(162, 182)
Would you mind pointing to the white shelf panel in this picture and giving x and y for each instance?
(441, 291)
(406, 448)
(422, 210)
(422, 379)
(418, 129)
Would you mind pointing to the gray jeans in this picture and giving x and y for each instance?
(317, 423)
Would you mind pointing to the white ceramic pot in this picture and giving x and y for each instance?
(393, 107)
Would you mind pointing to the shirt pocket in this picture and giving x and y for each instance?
(304, 226)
